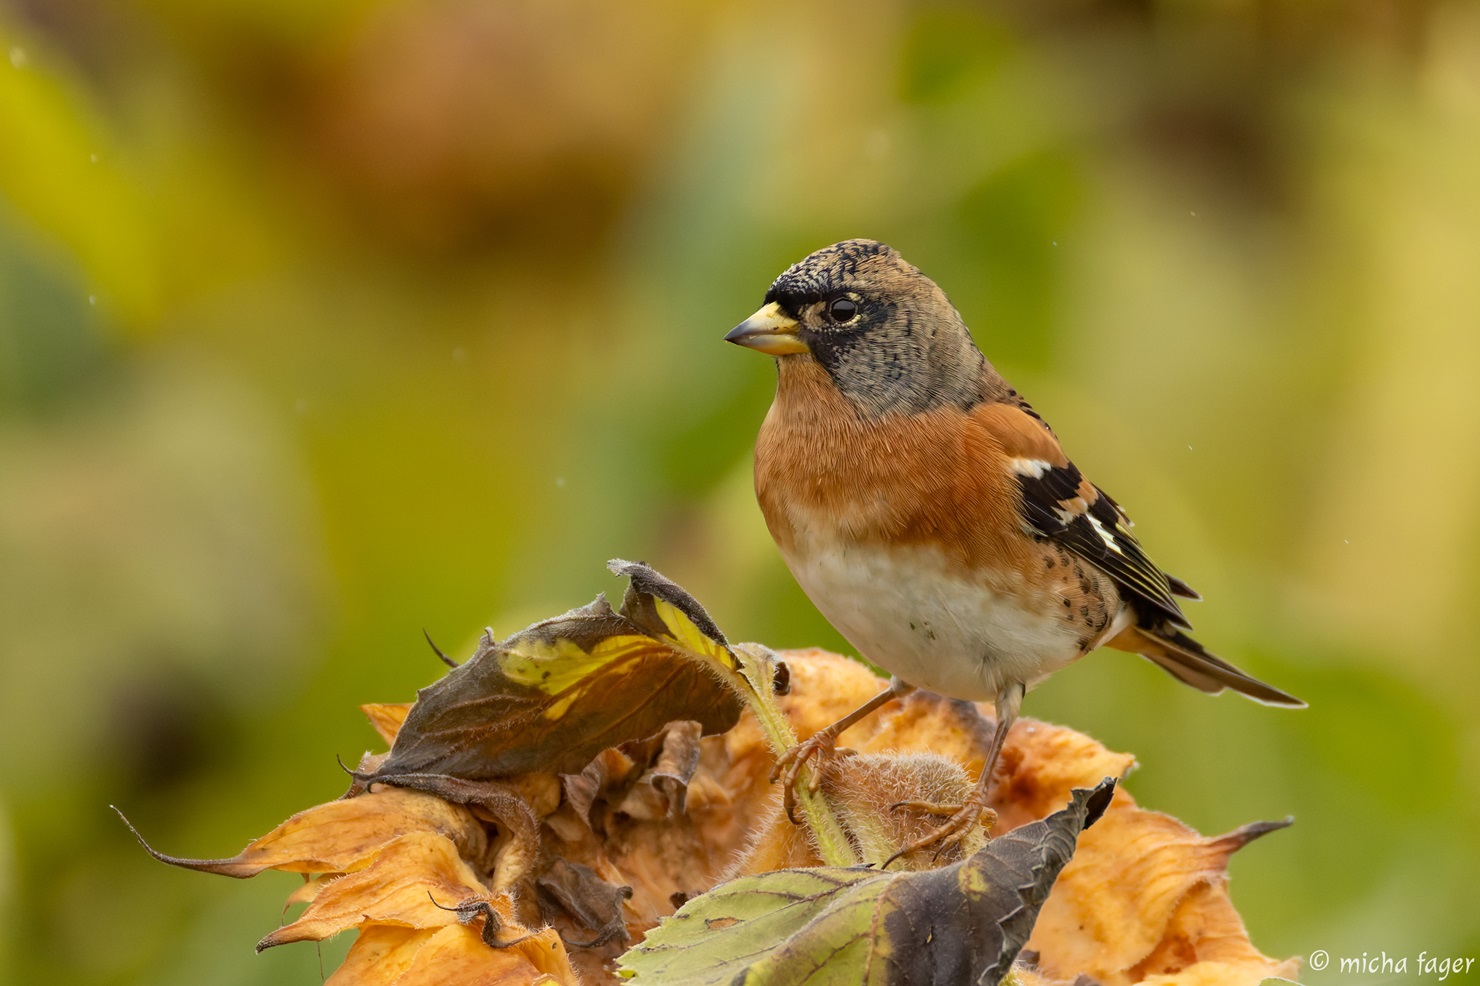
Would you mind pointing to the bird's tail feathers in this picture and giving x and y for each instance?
(1180, 588)
(1186, 660)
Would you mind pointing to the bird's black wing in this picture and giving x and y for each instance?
(1054, 506)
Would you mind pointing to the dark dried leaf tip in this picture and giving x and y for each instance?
(645, 581)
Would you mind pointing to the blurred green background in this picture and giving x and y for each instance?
(325, 322)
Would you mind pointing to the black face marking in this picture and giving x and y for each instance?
(832, 344)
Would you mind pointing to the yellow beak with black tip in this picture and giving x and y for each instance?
(770, 331)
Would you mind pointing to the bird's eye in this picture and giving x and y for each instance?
(842, 310)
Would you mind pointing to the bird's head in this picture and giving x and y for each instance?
(885, 334)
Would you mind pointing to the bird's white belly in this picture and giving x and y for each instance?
(907, 611)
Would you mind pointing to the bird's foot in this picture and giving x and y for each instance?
(821, 748)
(959, 822)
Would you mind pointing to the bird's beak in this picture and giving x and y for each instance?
(770, 331)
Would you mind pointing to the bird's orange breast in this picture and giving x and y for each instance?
(935, 479)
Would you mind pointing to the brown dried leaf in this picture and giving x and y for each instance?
(553, 696)
(307, 892)
(1041, 763)
(458, 955)
(513, 811)
(645, 778)
(380, 954)
(386, 955)
(607, 768)
(660, 855)
(661, 790)
(402, 884)
(340, 836)
(1207, 930)
(386, 717)
(1117, 903)
(592, 902)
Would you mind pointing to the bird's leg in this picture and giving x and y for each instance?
(823, 744)
(966, 816)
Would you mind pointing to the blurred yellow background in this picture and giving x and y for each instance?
(325, 322)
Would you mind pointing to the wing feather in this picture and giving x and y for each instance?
(1058, 503)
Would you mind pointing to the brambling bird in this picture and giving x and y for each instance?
(931, 515)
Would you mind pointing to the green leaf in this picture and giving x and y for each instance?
(556, 694)
(963, 923)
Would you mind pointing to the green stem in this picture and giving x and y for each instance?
(833, 844)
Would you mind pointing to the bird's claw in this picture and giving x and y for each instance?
(926, 808)
(820, 747)
(962, 819)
